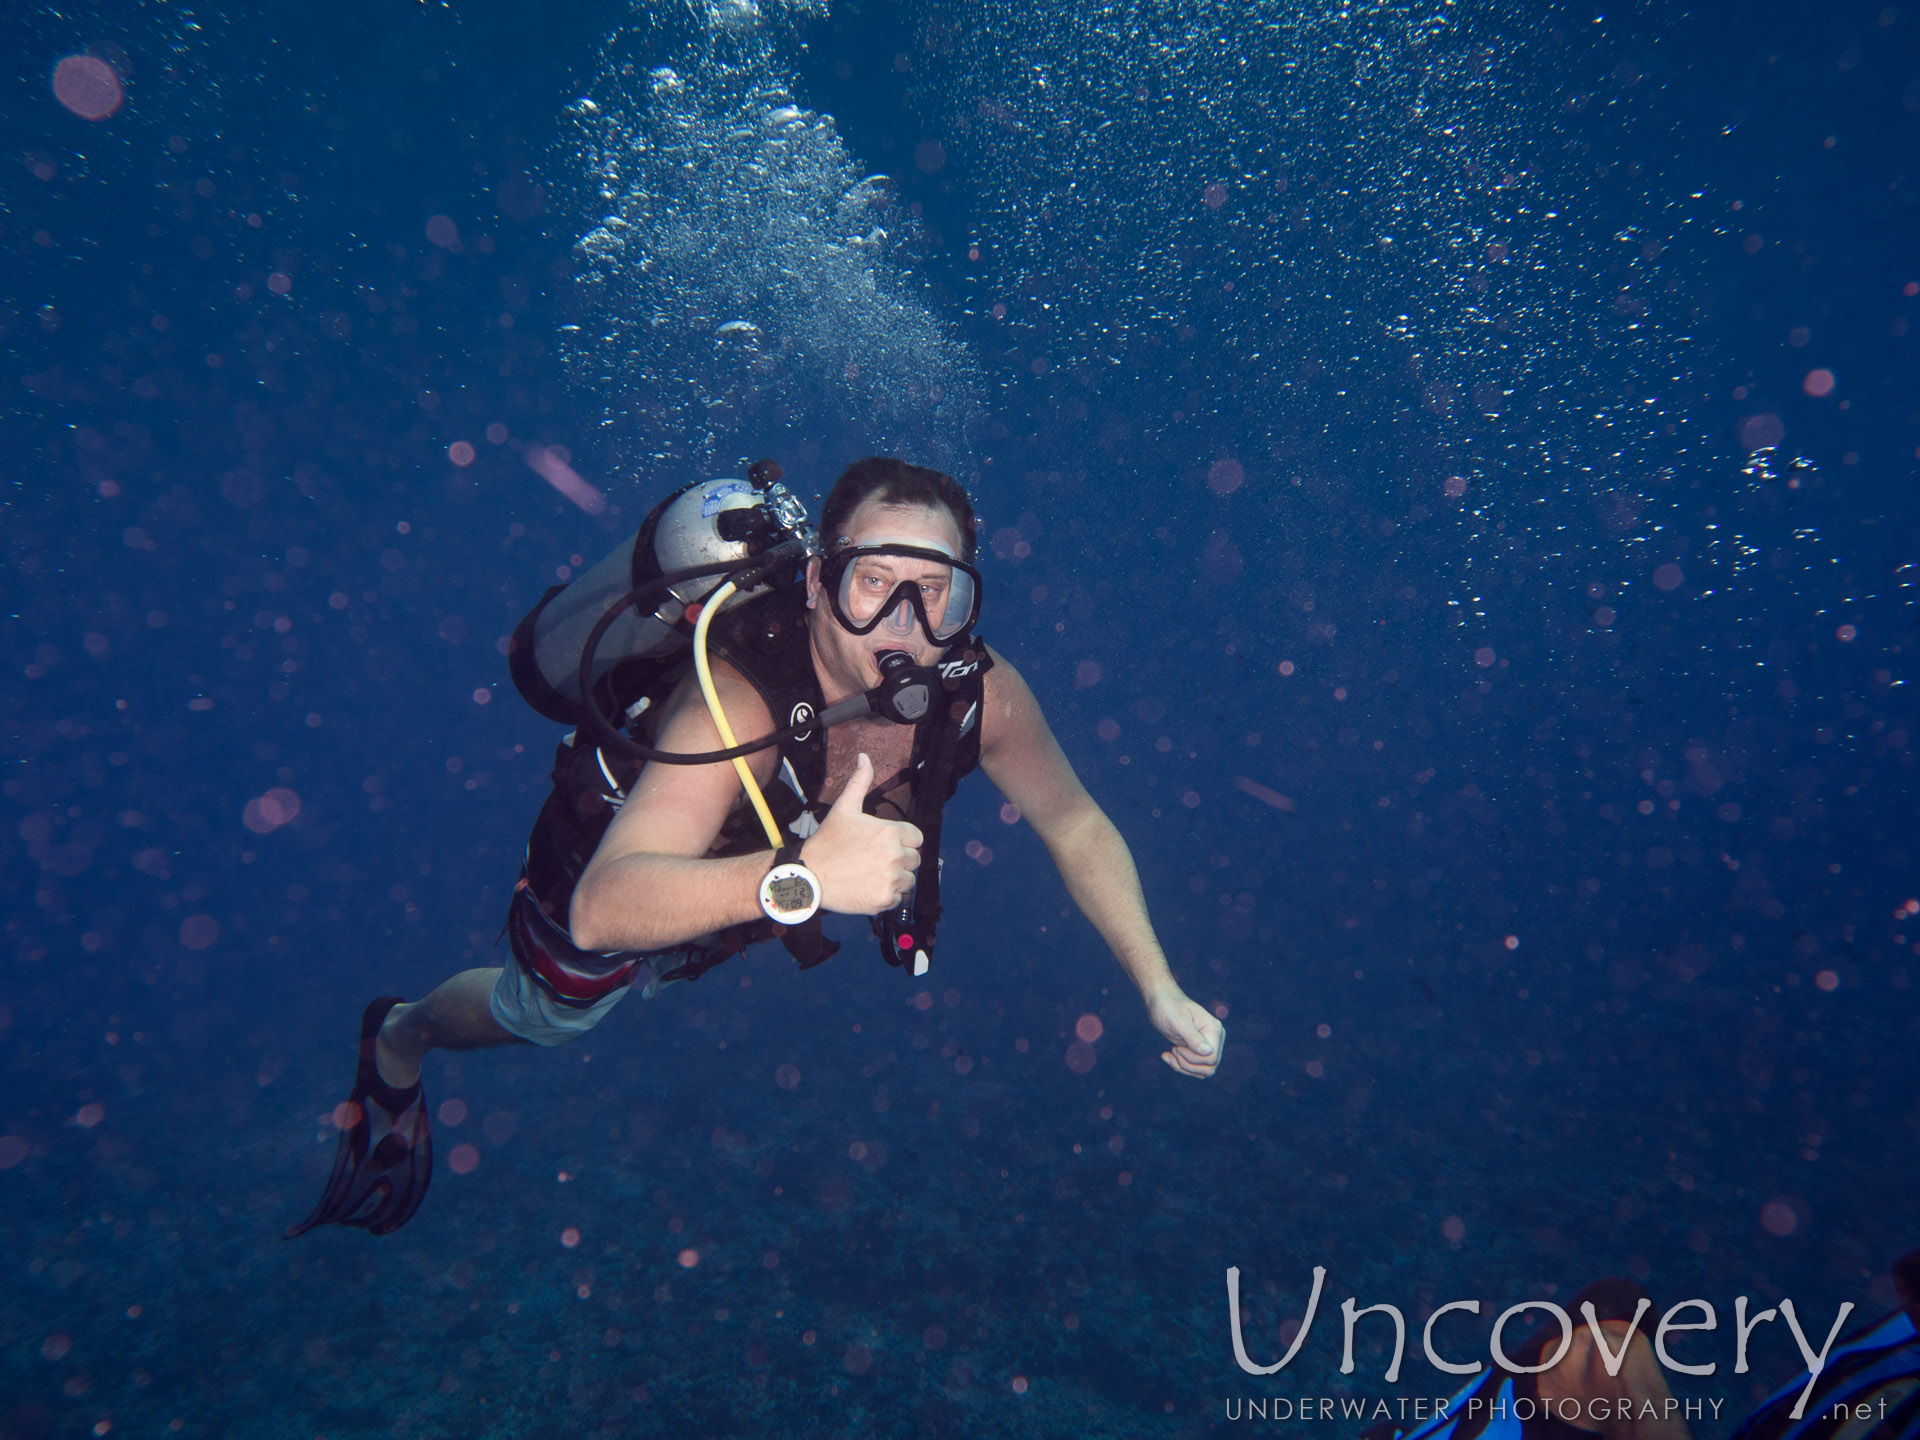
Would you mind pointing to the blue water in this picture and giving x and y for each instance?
(1444, 472)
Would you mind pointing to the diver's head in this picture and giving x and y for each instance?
(895, 482)
(897, 574)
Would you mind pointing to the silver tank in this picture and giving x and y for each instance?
(680, 532)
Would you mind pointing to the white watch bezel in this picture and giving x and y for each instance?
(792, 870)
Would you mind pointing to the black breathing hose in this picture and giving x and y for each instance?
(606, 734)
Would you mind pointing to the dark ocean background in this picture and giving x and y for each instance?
(1445, 471)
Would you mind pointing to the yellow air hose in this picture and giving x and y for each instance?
(700, 668)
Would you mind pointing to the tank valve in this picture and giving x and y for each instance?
(763, 473)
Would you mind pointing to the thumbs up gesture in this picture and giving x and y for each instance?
(865, 864)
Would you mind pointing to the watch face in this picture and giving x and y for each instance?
(791, 892)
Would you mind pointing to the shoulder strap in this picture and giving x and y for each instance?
(964, 674)
(767, 643)
(946, 746)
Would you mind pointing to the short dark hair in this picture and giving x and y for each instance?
(895, 482)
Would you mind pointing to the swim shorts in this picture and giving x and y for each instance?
(550, 990)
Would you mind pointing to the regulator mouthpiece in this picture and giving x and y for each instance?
(905, 691)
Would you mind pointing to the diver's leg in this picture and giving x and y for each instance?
(455, 1015)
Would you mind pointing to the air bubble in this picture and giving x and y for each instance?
(743, 268)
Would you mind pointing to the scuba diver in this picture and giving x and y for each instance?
(1868, 1387)
(668, 846)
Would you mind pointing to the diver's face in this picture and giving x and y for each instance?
(853, 660)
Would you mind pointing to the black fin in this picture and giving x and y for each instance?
(384, 1160)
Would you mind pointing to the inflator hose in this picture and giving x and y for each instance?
(701, 668)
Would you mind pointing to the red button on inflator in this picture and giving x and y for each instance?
(905, 942)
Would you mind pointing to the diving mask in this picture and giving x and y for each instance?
(887, 587)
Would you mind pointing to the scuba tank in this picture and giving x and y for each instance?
(713, 527)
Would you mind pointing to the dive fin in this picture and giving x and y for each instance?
(384, 1159)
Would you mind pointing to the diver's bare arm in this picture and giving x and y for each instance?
(1020, 755)
(1100, 875)
(651, 884)
(652, 902)
(1023, 759)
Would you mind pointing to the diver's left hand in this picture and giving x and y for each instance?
(1198, 1039)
